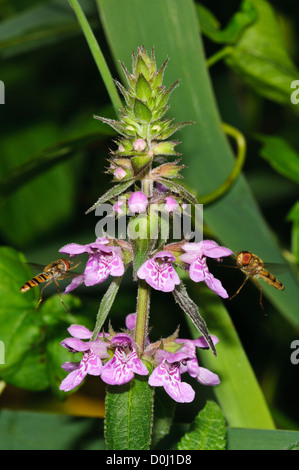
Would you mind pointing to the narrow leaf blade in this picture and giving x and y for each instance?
(116, 190)
(190, 308)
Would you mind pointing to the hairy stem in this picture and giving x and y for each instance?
(143, 304)
(143, 296)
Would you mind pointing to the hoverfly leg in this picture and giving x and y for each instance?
(261, 294)
(41, 294)
(60, 296)
(242, 285)
(76, 265)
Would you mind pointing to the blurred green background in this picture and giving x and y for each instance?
(52, 169)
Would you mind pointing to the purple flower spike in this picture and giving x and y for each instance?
(103, 261)
(93, 352)
(159, 272)
(138, 202)
(125, 362)
(196, 255)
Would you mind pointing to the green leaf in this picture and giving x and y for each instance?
(163, 417)
(206, 150)
(142, 112)
(55, 321)
(128, 418)
(238, 393)
(207, 431)
(116, 190)
(33, 355)
(190, 308)
(260, 439)
(106, 304)
(29, 430)
(179, 189)
(47, 200)
(210, 26)
(281, 156)
(46, 159)
(293, 215)
(261, 58)
(293, 446)
(142, 232)
(116, 125)
(143, 89)
(20, 325)
(39, 26)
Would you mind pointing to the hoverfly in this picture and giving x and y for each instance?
(252, 266)
(53, 272)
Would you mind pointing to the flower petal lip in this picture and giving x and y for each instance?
(72, 380)
(160, 276)
(76, 282)
(200, 342)
(170, 379)
(74, 249)
(208, 248)
(75, 344)
(196, 254)
(116, 266)
(121, 339)
(70, 366)
(206, 377)
(215, 285)
(79, 331)
(164, 254)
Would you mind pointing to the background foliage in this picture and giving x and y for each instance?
(53, 155)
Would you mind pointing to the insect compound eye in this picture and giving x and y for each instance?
(246, 258)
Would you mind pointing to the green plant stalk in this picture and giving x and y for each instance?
(142, 310)
(219, 55)
(236, 171)
(143, 296)
(97, 55)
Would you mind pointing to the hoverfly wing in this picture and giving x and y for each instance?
(276, 268)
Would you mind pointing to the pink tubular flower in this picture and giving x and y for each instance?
(125, 362)
(93, 352)
(159, 272)
(161, 188)
(196, 255)
(103, 261)
(171, 365)
(170, 204)
(139, 145)
(119, 173)
(137, 202)
(131, 321)
(117, 207)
